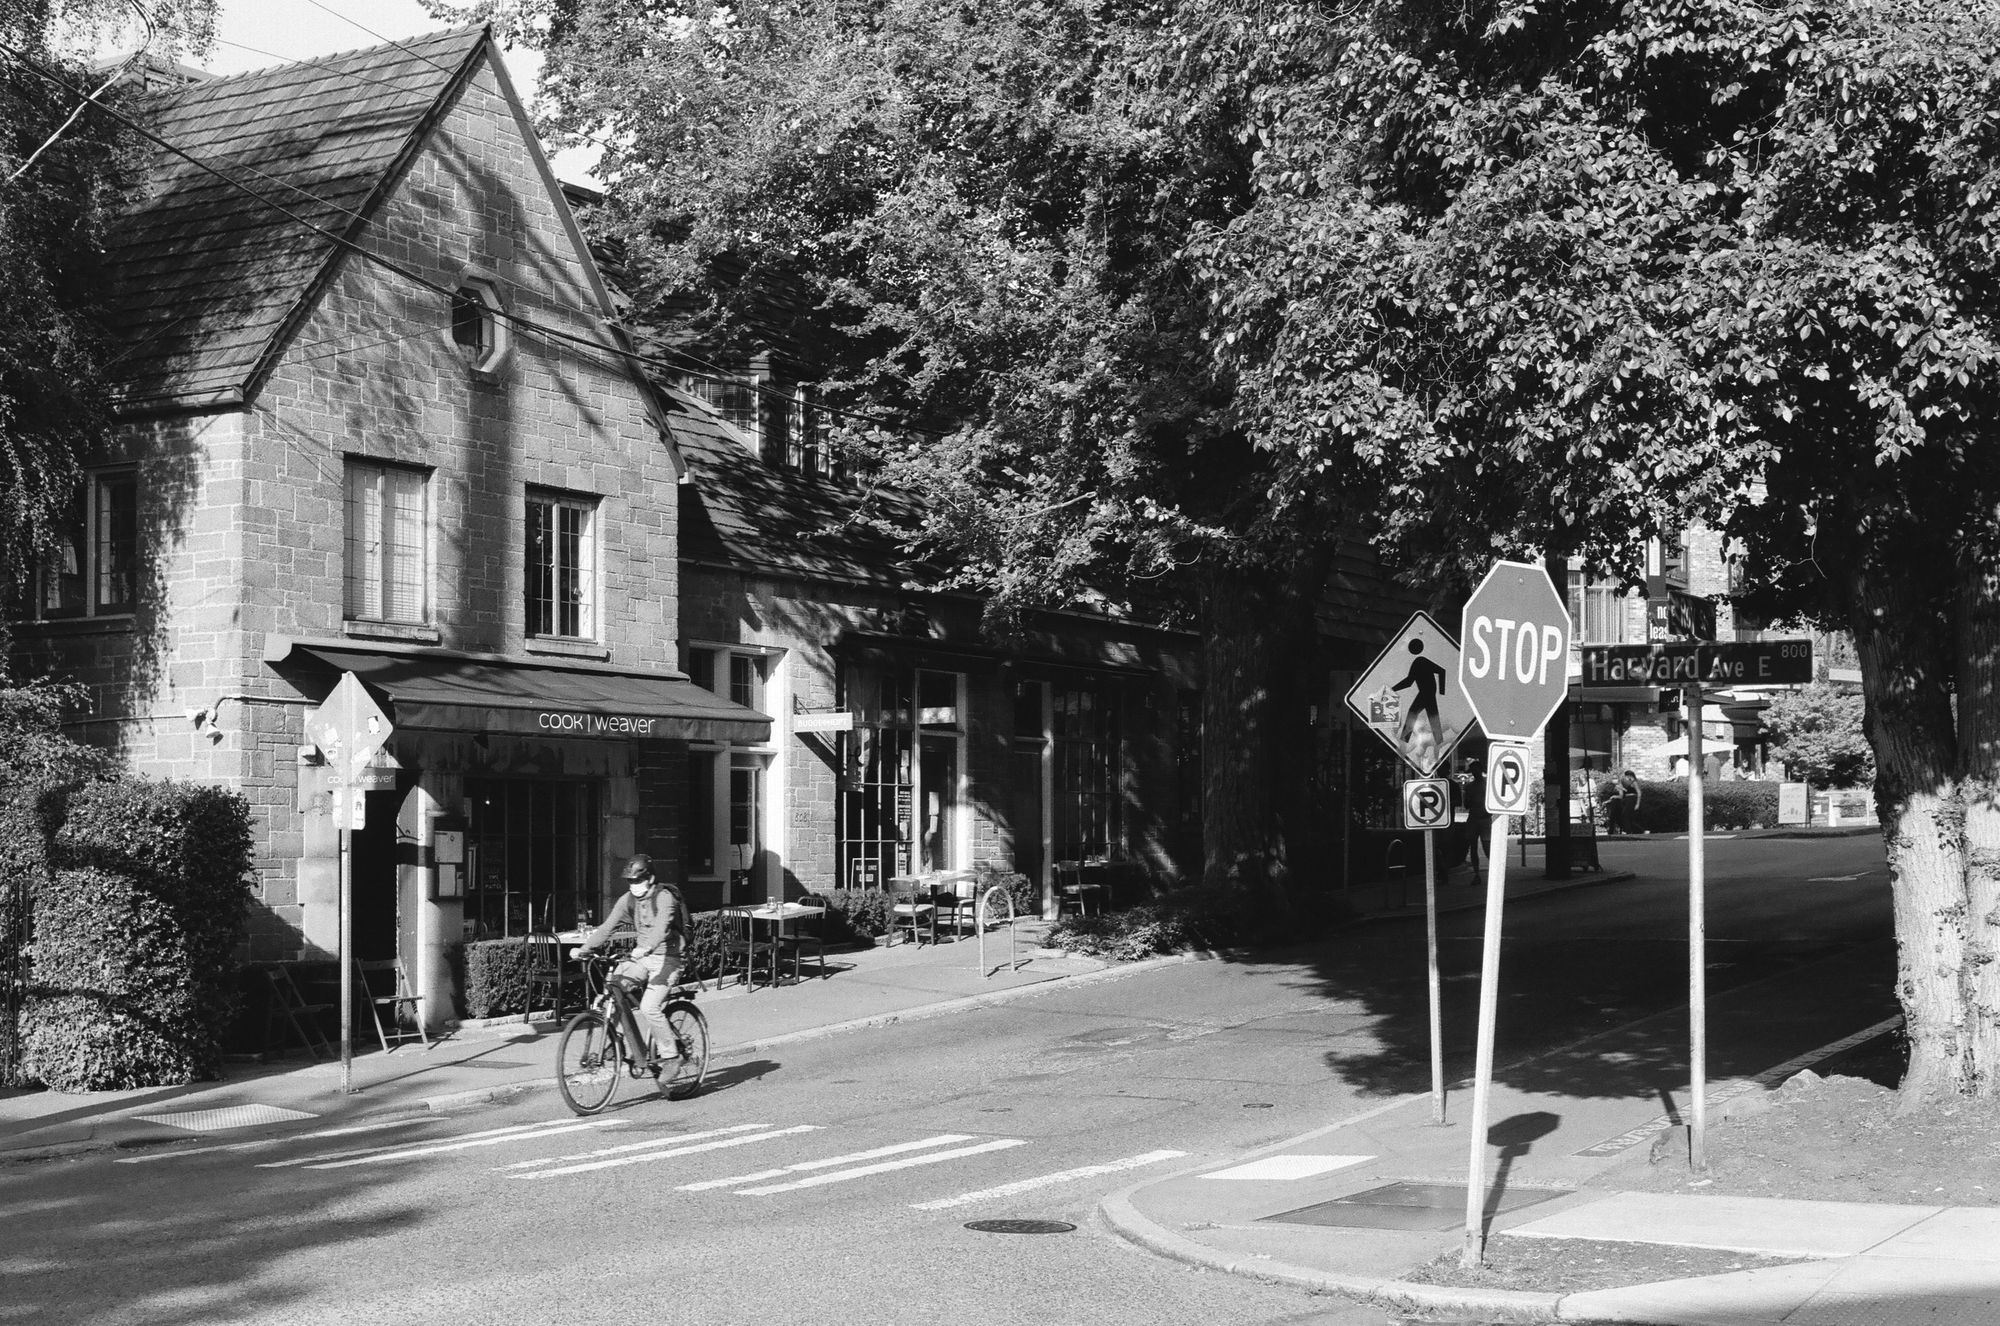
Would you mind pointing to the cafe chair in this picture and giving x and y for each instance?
(289, 1008)
(385, 985)
(954, 896)
(1073, 894)
(547, 971)
(912, 910)
(736, 947)
(807, 933)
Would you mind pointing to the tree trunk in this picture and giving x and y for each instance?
(1977, 665)
(1257, 640)
(1909, 724)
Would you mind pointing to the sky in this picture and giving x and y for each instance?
(254, 34)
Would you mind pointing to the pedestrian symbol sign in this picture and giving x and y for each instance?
(1410, 696)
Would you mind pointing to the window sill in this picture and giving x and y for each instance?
(550, 644)
(364, 630)
(105, 625)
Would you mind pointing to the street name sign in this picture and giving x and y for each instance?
(1726, 663)
(1410, 696)
(1514, 664)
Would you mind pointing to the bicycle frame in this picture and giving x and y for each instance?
(602, 987)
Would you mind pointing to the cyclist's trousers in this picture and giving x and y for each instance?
(660, 973)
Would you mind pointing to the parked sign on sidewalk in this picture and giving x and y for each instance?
(1515, 671)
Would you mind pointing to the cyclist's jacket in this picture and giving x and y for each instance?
(660, 918)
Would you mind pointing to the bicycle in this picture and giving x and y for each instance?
(605, 1041)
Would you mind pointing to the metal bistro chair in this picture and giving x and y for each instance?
(912, 909)
(288, 1006)
(1073, 893)
(737, 948)
(546, 971)
(954, 894)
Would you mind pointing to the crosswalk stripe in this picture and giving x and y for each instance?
(267, 1142)
(942, 1139)
(842, 1176)
(366, 1150)
(674, 1140)
(668, 1155)
(463, 1144)
(1044, 1180)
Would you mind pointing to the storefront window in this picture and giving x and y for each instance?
(725, 781)
(531, 856)
(1089, 764)
(902, 774)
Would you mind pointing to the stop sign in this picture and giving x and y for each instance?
(1514, 659)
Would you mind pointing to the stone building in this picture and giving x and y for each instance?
(374, 417)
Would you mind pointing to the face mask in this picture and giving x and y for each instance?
(640, 888)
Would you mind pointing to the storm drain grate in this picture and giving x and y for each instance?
(1020, 1226)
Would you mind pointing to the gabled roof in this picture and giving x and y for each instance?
(205, 278)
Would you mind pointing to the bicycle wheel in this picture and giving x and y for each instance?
(681, 1078)
(587, 1062)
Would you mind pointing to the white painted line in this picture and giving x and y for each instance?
(674, 1140)
(942, 1139)
(265, 1142)
(1044, 1180)
(842, 1176)
(668, 1155)
(1287, 1167)
(464, 1144)
(367, 1150)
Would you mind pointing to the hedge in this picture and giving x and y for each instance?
(28, 813)
(133, 978)
(1726, 804)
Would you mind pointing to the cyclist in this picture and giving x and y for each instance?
(658, 913)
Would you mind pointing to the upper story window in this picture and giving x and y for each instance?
(562, 565)
(388, 574)
(478, 331)
(782, 421)
(736, 674)
(95, 570)
(1597, 611)
(734, 396)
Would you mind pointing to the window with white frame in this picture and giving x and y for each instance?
(726, 780)
(95, 569)
(562, 565)
(388, 543)
(1597, 610)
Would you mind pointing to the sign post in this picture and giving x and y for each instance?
(1422, 729)
(1515, 671)
(1697, 944)
(349, 728)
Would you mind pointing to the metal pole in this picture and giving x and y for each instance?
(1436, 992)
(346, 959)
(1482, 1073)
(1697, 946)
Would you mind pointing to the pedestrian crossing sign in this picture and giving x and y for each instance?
(1410, 696)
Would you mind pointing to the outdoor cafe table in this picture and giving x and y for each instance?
(774, 919)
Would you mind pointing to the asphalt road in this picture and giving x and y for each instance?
(835, 1181)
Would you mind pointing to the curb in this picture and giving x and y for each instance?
(1498, 1305)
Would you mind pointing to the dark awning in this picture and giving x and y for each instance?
(439, 689)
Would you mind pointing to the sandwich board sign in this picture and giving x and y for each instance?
(1410, 696)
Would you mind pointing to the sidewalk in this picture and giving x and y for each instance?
(1358, 1206)
(481, 1063)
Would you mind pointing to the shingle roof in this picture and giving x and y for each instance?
(737, 510)
(205, 277)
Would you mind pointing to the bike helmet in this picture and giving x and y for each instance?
(637, 868)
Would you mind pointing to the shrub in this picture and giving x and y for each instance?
(701, 960)
(496, 977)
(856, 914)
(1198, 917)
(133, 979)
(1663, 806)
(1021, 890)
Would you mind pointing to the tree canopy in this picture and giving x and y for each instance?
(1817, 732)
(1176, 288)
(60, 172)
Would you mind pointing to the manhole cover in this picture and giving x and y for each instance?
(1020, 1226)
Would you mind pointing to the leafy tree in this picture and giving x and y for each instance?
(60, 172)
(1174, 288)
(1817, 732)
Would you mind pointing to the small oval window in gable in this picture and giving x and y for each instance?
(478, 332)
